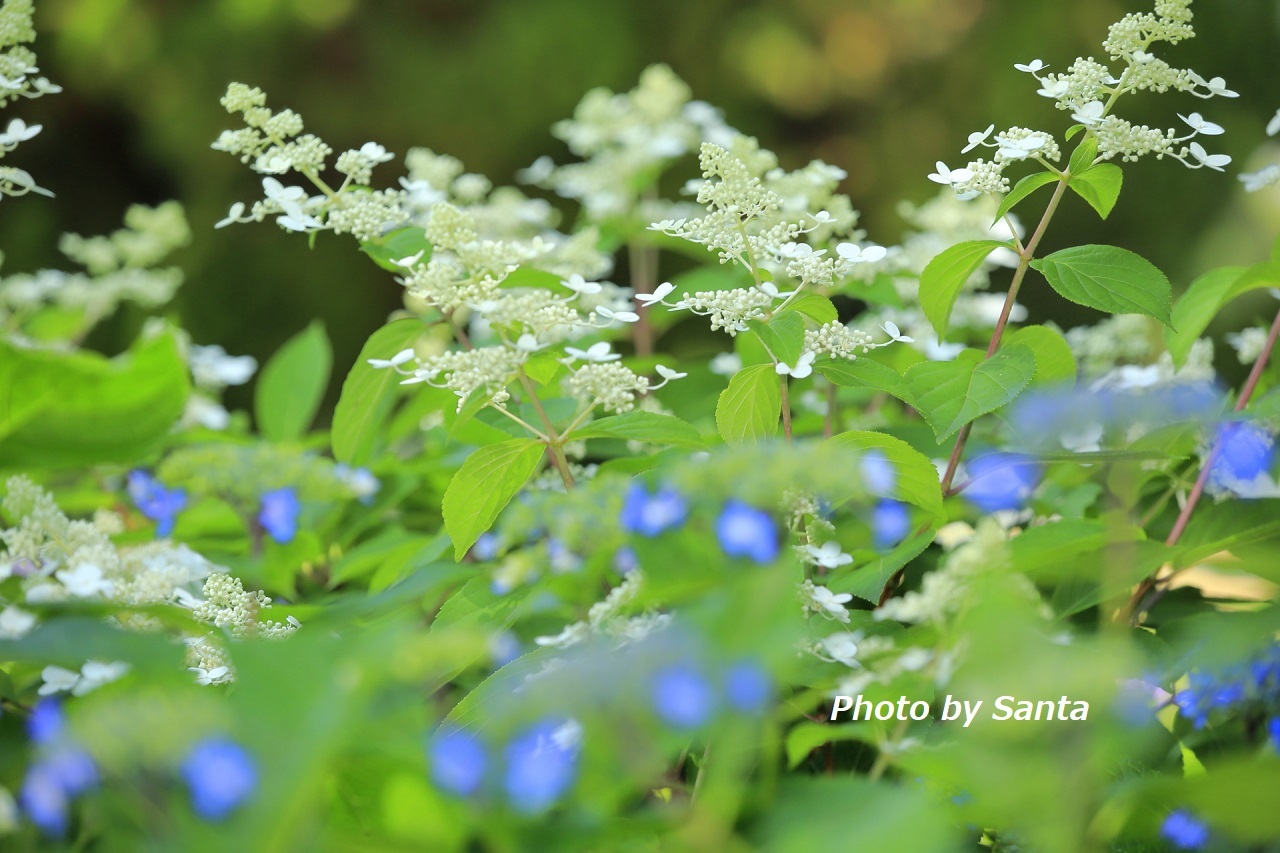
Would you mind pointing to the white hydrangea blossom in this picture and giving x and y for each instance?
(118, 268)
(609, 385)
(624, 141)
(1088, 90)
(606, 619)
(18, 79)
(59, 559)
(1248, 343)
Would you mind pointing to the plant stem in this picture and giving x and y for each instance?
(530, 427)
(829, 422)
(1025, 255)
(786, 407)
(644, 277)
(553, 441)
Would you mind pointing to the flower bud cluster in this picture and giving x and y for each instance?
(837, 340)
(609, 385)
(17, 80)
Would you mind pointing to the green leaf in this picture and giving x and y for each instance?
(1054, 359)
(292, 385)
(1022, 189)
(783, 336)
(950, 394)
(1100, 186)
(530, 277)
(917, 479)
(805, 737)
(397, 245)
(100, 410)
(369, 393)
(643, 426)
(944, 277)
(865, 373)
(486, 482)
(1110, 279)
(1206, 296)
(1084, 155)
(820, 309)
(748, 410)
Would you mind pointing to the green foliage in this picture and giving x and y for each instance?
(945, 276)
(1206, 296)
(950, 394)
(68, 409)
(1109, 279)
(291, 387)
(368, 395)
(643, 426)
(486, 482)
(748, 410)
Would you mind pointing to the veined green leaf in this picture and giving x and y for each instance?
(950, 394)
(484, 485)
(1022, 190)
(1100, 186)
(943, 278)
(1110, 279)
(865, 373)
(748, 410)
(642, 426)
(1054, 359)
(916, 482)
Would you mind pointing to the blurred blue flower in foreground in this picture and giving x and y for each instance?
(1241, 453)
(220, 774)
(62, 770)
(1183, 831)
(745, 531)
(279, 514)
(747, 687)
(542, 763)
(1207, 692)
(890, 523)
(878, 473)
(999, 481)
(458, 761)
(157, 503)
(650, 514)
(682, 696)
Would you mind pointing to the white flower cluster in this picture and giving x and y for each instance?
(18, 80)
(119, 268)
(625, 140)
(489, 369)
(756, 216)
(823, 602)
(609, 385)
(1269, 175)
(607, 619)
(1088, 90)
(59, 559)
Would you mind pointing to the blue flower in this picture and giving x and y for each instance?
(747, 687)
(1242, 451)
(745, 531)
(878, 473)
(72, 768)
(157, 503)
(650, 514)
(890, 523)
(458, 761)
(541, 764)
(1183, 831)
(220, 774)
(44, 800)
(279, 514)
(46, 722)
(1273, 729)
(1000, 481)
(625, 560)
(486, 547)
(682, 696)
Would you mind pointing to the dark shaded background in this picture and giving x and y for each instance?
(882, 88)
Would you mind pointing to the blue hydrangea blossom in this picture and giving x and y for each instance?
(221, 774)
(744, 531)
(279, 514)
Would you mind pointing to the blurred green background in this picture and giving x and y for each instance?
(882, 88)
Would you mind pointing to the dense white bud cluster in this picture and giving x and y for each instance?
(837, 340)
(609, 385)
(489, 369)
